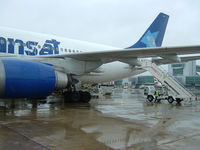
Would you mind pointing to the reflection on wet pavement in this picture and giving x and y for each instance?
(122, 121)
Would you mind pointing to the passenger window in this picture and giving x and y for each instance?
(70, 50)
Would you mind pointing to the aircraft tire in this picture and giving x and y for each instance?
(85, 97)
(72, 96)
(75, 97)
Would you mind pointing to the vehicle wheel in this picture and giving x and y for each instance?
(170, 99)
(150, 98)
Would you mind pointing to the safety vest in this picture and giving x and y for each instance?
(157, 93)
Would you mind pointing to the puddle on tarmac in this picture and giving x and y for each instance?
(122, 121)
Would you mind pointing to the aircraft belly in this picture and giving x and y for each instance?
(111, 72)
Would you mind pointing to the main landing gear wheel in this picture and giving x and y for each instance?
(77, 96)
(85, 96)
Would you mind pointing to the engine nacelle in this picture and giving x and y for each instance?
(29, 79)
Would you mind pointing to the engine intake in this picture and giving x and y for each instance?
(29, 79)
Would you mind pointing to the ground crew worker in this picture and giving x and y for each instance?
(156, 95)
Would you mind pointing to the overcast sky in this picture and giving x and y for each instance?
(118, 23)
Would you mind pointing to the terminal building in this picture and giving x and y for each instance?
(187, 73)
(136, 81)
(182, 71)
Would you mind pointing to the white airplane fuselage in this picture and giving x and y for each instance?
(22, 43)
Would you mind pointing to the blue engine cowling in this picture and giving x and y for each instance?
(28, 79)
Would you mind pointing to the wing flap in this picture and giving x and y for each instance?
(169, 61)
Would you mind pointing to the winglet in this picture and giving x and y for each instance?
(153, 36)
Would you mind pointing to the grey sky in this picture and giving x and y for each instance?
(113, 22)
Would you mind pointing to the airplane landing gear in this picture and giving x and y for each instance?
(79, 96)
(73, 95)
(85, 96)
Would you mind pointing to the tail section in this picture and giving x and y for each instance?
(153, 36)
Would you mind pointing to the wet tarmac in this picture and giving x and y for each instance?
(122, 121)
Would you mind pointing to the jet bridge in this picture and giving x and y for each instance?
(177, 92)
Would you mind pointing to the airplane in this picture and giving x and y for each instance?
(34, 65)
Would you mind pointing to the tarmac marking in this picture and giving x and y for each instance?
(33, 141)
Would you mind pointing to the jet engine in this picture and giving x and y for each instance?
(29, 79)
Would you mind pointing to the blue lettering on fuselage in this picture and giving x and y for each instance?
(31, 48)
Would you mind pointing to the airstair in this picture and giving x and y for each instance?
(178, 91)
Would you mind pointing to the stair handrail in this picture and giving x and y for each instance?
(176, 80)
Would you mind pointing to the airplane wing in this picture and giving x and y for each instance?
(167, 53)
(161, 61)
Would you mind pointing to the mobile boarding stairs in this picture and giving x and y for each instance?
(177, 92)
